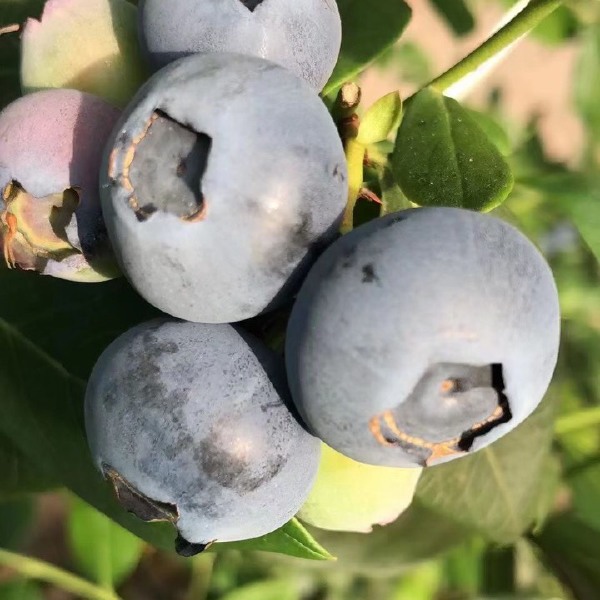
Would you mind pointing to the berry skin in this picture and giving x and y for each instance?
(302, 35)
(51, 146)
(423, 336)
(351, 496)
(189, 423)
(88, 45)
(224, 180)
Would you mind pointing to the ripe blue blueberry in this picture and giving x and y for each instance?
(225, 178)
(189, 423)
(302, 35)
(423, 336)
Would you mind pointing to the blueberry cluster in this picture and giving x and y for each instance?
(415, 339)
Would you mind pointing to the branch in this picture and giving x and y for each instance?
(32, 568)
(531, 16)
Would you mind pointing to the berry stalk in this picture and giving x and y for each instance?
(531, 16)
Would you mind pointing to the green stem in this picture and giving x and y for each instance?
(202, 570)
(32, 568)
(587, 417)
(355, 156)
(535, 12)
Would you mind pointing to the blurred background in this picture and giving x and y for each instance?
(542, 106)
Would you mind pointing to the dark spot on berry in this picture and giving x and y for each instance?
(338, 173)
(396, 219)
(144, 212)
(369, 275)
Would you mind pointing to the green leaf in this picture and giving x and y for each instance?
(580, 453)
(272, 589)
(550, 485)
(584, 211)
(576, 197)
(381, 119)
(457, 14)
(368, 31)
(463, 566)
(15, 519)
(557, 27)
(292, 539)
(585, 486)
(104, 552)
(443, 158)
(570, 549)
(18, 474)
(569, 541)
(418, 534)
(71, 322)
(497, 490)
(392, 198)
(495, 132)
(20, 590)
(51, 333)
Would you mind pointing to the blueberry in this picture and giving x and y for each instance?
(302, 35)
(224, 180)
(423, 336)
(189, 423)
(51, 146)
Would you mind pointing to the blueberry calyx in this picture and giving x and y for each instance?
(133, 501)
(251, 4)
(34, 229)
(163, 168)
(445, 421)
(189, 549)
